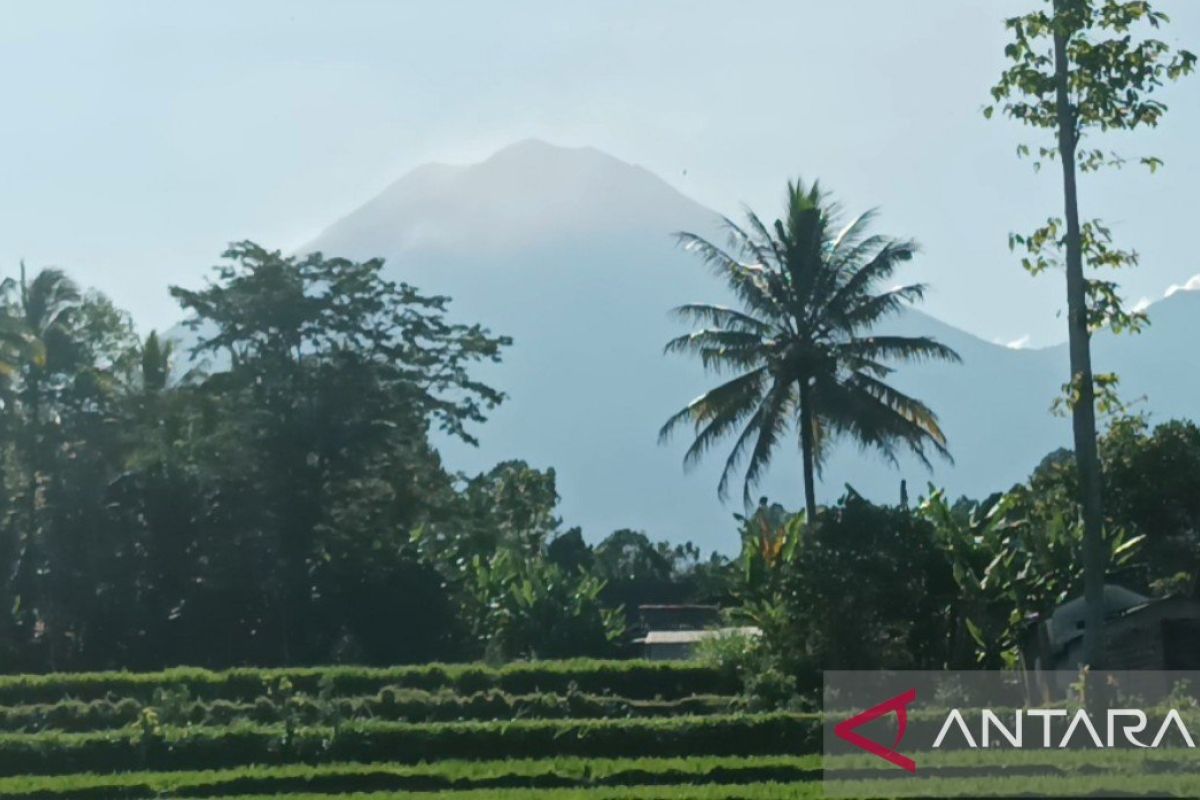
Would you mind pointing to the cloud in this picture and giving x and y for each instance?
(1018, 344)
(1192, 285)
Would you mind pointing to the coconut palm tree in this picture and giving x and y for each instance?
(35, 342)
(17, 345)
(35, 338)
(803, 345)
(34, 317)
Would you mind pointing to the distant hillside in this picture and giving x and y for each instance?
(568, 251)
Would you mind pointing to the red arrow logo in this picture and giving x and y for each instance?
(899, 704)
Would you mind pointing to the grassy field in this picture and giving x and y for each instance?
(555, 730)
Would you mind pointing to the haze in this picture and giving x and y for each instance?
(146, 136)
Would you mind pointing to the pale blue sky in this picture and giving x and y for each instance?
(137, 138)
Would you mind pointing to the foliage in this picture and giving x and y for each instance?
(1076, 70)
(861, 587)
(631, 678)
(958, 584)
(269, 494)
(201, 748)
(756, 665)
(518, 601)
(390, 703)
(1112, 79)
(637, 571)
(1150, 480)
(547, 773)
(804, 346)
(1013, 560)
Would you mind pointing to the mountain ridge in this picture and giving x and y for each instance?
(569, 250)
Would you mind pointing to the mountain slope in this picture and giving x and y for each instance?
(569, 251)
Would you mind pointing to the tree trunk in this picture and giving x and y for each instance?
(806, 452)
(1083, 411)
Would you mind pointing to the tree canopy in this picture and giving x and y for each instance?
(804, 346)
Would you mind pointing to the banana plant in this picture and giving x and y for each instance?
(1013, 559)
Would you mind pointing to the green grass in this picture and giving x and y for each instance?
(1023, 786)
(1130, 771)
(635, 679)
(1065, 761)
(1032, 773)
(591, 730)
(445, 775)
(390, 704)
(226, 746)
(751, 791)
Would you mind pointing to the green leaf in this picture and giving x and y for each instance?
(976, 633)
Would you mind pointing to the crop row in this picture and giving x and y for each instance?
(150, 747)
(750, 791)
(391, 703)
(336, 779)
(1054, 786)
(633, 679)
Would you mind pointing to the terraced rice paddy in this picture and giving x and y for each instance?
(552, 730)
(556, 729)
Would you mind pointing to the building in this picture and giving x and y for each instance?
(1141, 633)
(681, 645)
(671, 632)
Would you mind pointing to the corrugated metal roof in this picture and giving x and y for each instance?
(691, 637)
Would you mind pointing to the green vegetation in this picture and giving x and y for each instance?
(655, 750)
(754, 791)
(285, 731)
(280, 503)
(149, 745)
(390, 703)
(1083, 68)
(276, 502)
(338, 778)
(632, 678)
(805, 345)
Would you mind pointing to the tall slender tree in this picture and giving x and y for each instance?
(804, 343)
(1077, 69)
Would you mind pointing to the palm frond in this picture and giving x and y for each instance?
(747, 409)
(48, 299)
(879, 416)
(899, 348)
(723, 316)
(764, 233)
(708, 405)
(747, 281)
(773, 422)
(856, 289)
(721, 350)
(869, 310)
(853, 234)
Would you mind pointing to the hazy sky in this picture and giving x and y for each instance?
(138, 138)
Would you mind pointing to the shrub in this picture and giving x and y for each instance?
(632, 679)
(150, 746)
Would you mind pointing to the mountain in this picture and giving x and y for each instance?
(568, 250)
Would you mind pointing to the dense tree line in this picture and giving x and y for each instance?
(957, 584)
(271, 496)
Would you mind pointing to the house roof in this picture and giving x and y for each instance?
(1066, 621)
(692, 637)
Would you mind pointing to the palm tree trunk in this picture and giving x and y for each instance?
(806, 451)
(1083, 411)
